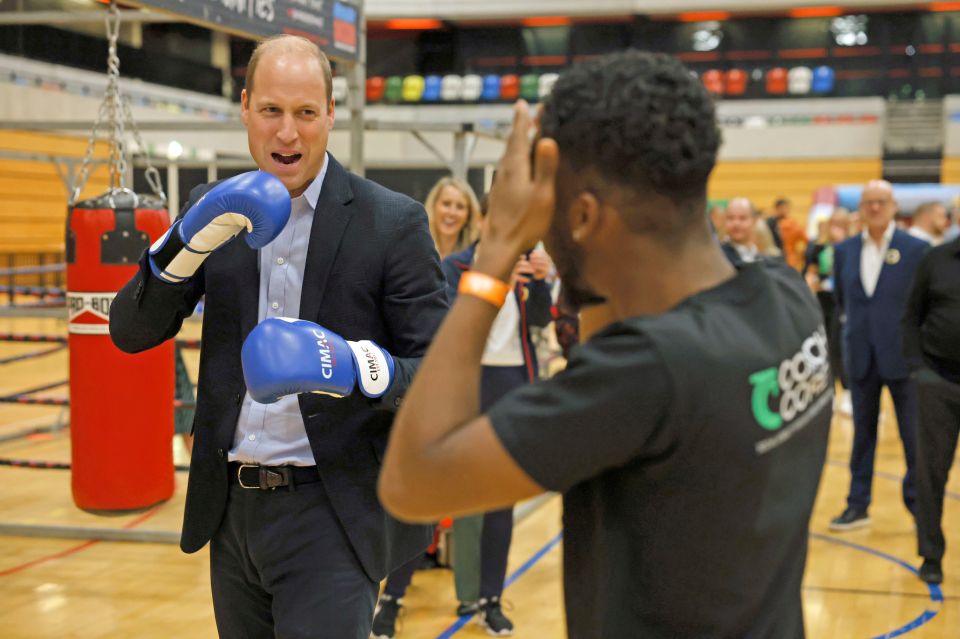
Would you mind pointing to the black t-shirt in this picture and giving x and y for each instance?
(689, 447)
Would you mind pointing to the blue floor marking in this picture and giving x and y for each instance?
(458, 625)
(936, 595)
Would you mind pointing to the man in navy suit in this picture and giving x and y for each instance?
(873, 272)
(286, 492)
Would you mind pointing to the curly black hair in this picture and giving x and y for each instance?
(639, 120)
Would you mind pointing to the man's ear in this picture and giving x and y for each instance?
(244, 106)
(585, 215)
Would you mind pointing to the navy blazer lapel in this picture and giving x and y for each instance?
(853, 263)
(330, 220)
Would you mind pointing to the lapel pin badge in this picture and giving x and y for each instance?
(892, 256)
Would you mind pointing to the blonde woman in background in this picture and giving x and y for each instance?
(818, 271)
(763, 239)
(454, 211)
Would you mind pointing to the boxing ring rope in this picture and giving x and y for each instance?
(33, 270)
(35, 401)
(32, 355)
(38, 291)
(37, 389)
(28, 337)
(89, 533)
(55, 427)
(43, 464)
(58, 339)
(22, 398)
(56, 294)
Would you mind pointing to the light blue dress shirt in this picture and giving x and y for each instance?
(274, 434)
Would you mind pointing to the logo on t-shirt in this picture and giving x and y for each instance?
(792, 392)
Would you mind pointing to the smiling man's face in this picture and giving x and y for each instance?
(288, 118)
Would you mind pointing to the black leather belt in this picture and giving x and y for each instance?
(271, 477)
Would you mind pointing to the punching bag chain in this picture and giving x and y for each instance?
(115, 111)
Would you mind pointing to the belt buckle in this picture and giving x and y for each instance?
(240, 477)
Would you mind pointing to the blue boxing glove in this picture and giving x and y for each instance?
(255, 202)
(284, 356)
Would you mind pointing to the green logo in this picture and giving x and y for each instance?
(764, 385)
(792, 385)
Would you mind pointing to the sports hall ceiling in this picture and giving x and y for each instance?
(456, 10)
(498, 9)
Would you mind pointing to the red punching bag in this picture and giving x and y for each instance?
(121, 406)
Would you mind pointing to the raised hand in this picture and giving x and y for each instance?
(522, 198)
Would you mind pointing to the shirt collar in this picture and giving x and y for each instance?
(922, 234)
(745, 250)
(312, 194)
(887, 235)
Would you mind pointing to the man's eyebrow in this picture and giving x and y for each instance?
(264, 102)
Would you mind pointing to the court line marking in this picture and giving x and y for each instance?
(881, 593)
(70, 551)
(459, 624)
(936, 594)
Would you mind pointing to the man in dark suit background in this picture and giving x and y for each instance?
(931, 345)
(286, 492)
(873, 272)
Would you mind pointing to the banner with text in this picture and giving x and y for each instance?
(332, 24)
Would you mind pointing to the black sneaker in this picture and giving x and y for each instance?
(850, 519)
(493, 619)
(429, 561)
(385, 619)
(931, 571)
(467, 608)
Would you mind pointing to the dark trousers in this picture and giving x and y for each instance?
(865, 395)
(400, 578)
(831, 323)
(495, 382)
(937, 431)
(281, 566)
(494, 550)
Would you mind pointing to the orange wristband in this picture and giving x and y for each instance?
(484, 286)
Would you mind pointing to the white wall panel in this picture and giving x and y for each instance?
(951, 126)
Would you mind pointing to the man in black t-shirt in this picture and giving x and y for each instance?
(688, 436)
